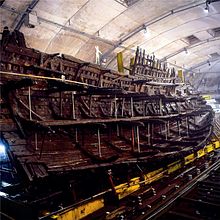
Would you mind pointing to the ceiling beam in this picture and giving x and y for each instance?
(202, 63)
(189, 47)
(149, 23)
(203, 74)
(34, 2)
(40, 19)
(114, 45)
(21, 18)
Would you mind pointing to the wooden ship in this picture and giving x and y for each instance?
(77, 129)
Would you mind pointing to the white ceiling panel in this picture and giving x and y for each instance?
(75, 27)
(95, 14)
(58, 11)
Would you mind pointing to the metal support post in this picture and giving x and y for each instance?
(90, 105)
(111, 108)
(138, 140)
(76, 134)
(178, 127)
(160, 106)
(118, 131)
(122, 108)
(132, 138)
(35, 139)
(152, 130)
(187, 127)
(99, 143)
(73, 105)
(29, 102)
(115, 107)
(148, 133)
(61, 105)
(168, 128)
(132, 107)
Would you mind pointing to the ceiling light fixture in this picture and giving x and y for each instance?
(206, 9)
(186, 51)
(31, 20)
(145, 31)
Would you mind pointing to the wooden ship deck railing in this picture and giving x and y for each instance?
(105, 118)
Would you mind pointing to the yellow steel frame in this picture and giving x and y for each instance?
(133, 185)
(80, 211)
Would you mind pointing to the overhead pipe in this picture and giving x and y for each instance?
(118, 44)
(23, 15)
(202, 63)
(107, 41)
(188, 48)
(147, 24)
(40, 19)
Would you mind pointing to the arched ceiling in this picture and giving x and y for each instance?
(179, 31)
